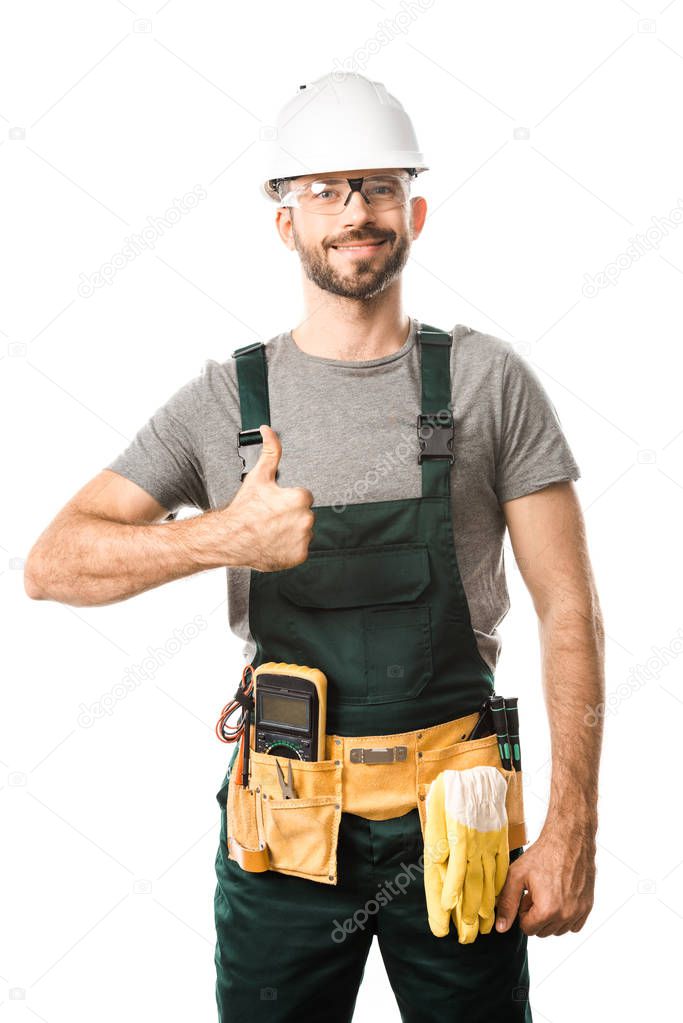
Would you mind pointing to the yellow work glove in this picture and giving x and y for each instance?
(466, 855)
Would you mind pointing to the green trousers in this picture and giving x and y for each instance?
(290, 949)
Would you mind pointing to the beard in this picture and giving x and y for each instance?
(364, 278)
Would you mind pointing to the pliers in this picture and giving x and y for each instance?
(286, 786)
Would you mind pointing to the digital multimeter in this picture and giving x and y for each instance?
(290, 703)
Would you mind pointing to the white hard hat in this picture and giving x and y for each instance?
(341, 121)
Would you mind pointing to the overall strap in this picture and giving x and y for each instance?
(435, 428)
(434, 424)
(252, 381)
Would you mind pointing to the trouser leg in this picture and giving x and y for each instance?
(282, 951)
(439, 979)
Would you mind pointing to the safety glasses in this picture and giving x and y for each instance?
(330, 195)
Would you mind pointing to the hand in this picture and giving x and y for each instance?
(559, 872)
(267, 527)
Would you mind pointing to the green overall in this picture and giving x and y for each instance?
(379, 607)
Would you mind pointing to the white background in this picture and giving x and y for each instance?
(553, 137)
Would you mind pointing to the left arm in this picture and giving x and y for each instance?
(548, 539)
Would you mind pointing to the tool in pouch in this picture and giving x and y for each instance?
(286, 817)
(286, 786)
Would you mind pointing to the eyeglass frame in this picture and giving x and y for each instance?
(355, 185)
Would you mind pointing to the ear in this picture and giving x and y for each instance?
(283, 223)
(418, 215)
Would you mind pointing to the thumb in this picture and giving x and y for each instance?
(265, 469)
(507, 905)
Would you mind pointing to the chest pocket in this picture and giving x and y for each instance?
(360, 615)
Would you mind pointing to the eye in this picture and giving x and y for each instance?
(324, 190)
(384, 188)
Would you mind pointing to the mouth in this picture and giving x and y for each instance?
(360, 249)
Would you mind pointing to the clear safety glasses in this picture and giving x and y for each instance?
(331, 195)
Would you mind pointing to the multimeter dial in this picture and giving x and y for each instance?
(284, 749)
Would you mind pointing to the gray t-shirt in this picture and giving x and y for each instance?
(348, 434)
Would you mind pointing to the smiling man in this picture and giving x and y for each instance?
(356, 475)
(359, 263)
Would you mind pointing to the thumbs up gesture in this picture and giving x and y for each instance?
(270, 527)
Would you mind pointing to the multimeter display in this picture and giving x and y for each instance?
(287, 712)
(284, 711)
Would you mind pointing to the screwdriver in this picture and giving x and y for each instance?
(497, 704)
(245, 752)
(512, 715)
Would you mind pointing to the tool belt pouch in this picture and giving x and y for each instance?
(378, 777)
(292, 836)
(477, 753)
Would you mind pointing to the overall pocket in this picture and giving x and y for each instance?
(356, 617)
(301, 833)
(398, 652)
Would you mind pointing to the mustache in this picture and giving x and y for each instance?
(356, 240)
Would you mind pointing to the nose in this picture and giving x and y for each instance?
(357, 210)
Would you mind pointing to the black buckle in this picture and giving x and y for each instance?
(246, 438)
(252, 436)
(435, 432)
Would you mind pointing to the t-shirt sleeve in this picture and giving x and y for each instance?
(532, 448)
(165, 456)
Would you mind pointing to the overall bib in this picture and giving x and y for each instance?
(379, 606)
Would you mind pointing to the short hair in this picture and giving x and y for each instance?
(281, 185)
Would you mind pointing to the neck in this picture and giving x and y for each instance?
(341, 328)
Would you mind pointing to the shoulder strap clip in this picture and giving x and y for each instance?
(435, 433)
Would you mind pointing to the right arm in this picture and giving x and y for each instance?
(107, 543)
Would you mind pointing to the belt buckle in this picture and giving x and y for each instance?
(435, 432)
(377, 754)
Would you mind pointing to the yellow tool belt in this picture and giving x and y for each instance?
(373, 776)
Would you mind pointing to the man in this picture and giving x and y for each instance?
(339, 535)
